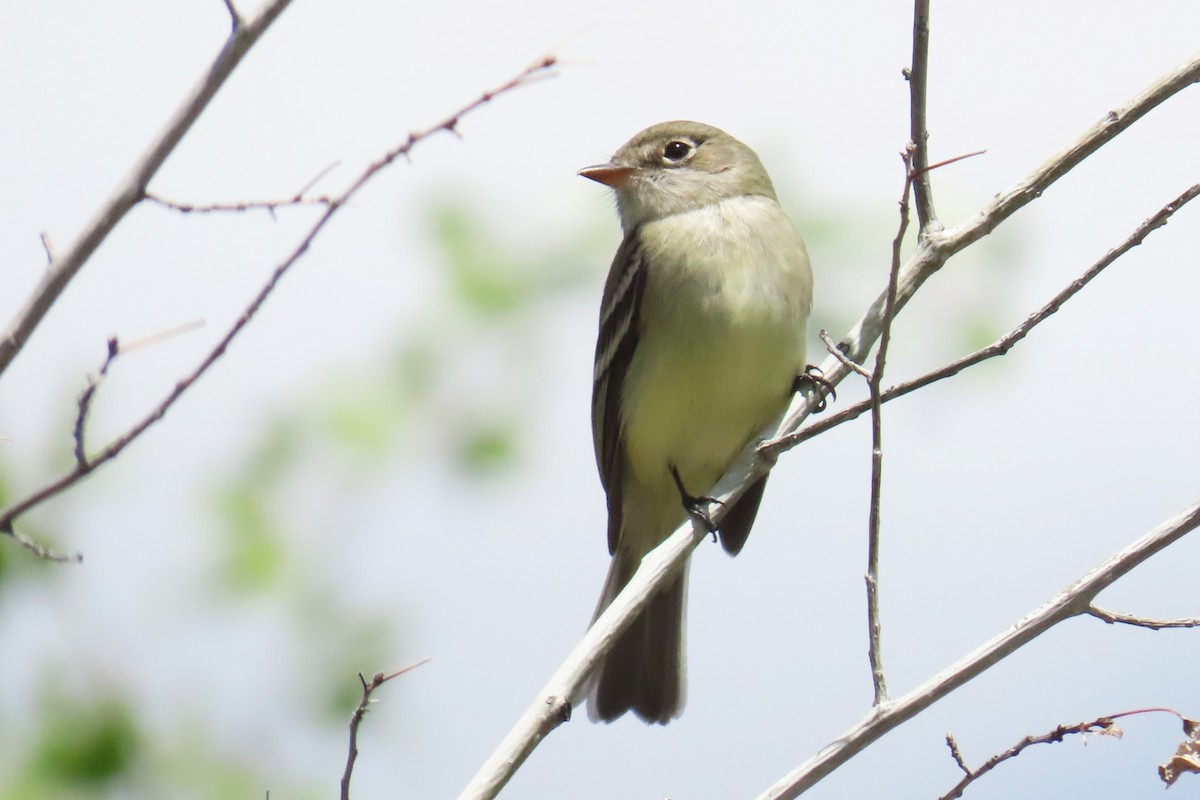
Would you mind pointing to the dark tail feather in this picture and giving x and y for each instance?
(735, 527)
(644, 671)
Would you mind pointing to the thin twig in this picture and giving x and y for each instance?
(235, 19)
(132, 188)
(832, 347)
(918, 89)
(540, 68)
(1102, 725)
(956, 754)
(300, 198)
(85, 402)
(1006, 342)
(368, 687)
(270, 206)
(874, 624)
(93, 381)
(1116, 617)
(37, 549)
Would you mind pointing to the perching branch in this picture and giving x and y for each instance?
(541, 68)
(131, 190)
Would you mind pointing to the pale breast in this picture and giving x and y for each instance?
(722, 337)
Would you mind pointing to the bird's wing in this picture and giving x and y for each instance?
(615, 346)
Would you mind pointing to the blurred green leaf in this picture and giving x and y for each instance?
(486, 448)
(482, 278)
(255, 554)
(84, 745)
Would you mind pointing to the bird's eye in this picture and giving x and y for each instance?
(677, 151)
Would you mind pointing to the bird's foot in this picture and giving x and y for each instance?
(696, 506)
(813, 376)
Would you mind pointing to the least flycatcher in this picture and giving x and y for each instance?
(702, 337)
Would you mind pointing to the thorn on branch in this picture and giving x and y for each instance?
(48, 247)
(235, 19)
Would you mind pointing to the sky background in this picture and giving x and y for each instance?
(348, 412)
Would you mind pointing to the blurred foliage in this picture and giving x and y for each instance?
(98, 746)
(83, 745)
(255, 549)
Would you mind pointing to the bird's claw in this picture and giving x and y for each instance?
(696, 507)
(813, 376)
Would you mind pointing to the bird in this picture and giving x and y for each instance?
(701, 344)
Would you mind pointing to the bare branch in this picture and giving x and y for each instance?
(1116, 617)
(918, 88)
(874, 625)
(235, 19)
(85, 402)
(356, 718)
(1071, 602)
(41, 551)
(270, 206)
(956, 754)
(114, 448)
(94, 380)
(132, 189)
(832, 347)
(1104, 726)
(1005, 343)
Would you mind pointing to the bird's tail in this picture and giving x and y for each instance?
(644, 670)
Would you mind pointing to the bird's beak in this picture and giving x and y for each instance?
(612, 175)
